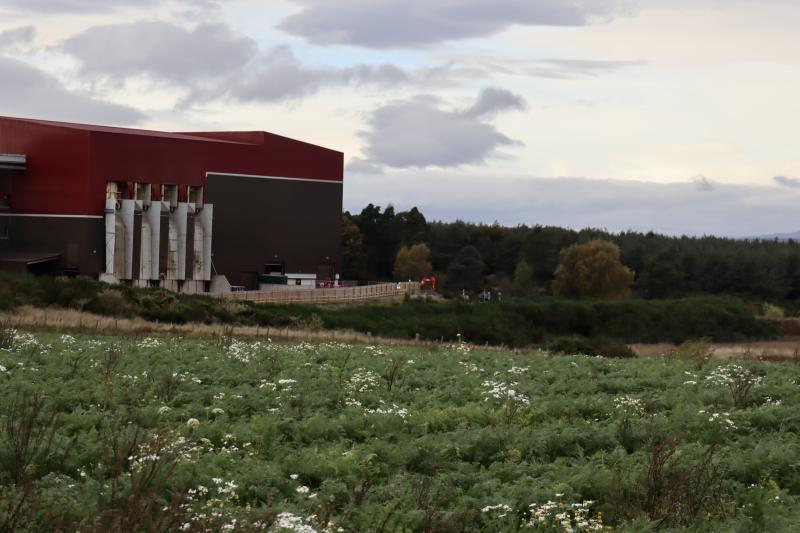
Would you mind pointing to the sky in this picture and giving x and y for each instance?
(676, 116)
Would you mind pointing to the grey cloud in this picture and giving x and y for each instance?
(413, 23)
(492, 101)
(212, 62)
(278, 75)
(95, 6)
(618, 205)
(17, 36)
(362, 166)
(162, 50)
(29, 92)
(419, 133)
(71, 6)
(566, 69)
(575, 68)
(783, 181)
(703, 184)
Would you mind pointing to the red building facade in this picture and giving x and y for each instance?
(169, 209)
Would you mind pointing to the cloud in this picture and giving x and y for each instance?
(213, 62)
(492, 101)
(29, 92)
(571, 69)
(361, 166)
(277, 75)
(413, 23)
(17, 36)
(481, 65)
(703, 184)
(420, 133)
(71, 6)
(783, 181)
(618, 205)
(161, 50)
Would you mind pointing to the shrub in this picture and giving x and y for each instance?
(698, 351)
(111, 302)
(614, 349)
(769, 310)
(570, 346)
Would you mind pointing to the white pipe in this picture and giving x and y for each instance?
(181, 216)
(206, 220)
(145, 256)
(127, 212)
(197, 250)
(111, 234)
(154, 218)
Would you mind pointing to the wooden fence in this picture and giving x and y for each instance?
(340, 295)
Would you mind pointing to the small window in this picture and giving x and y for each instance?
(4, 229)
(5, 201)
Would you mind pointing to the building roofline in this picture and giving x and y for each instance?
(243, 138)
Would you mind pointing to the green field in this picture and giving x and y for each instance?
(164, 434)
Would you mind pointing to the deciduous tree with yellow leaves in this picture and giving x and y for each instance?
(592, 270)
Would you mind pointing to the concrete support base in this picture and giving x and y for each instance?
(111, 279)
(220, 285)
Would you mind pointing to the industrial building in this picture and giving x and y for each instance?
(175, 210)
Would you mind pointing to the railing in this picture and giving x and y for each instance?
(338, 295)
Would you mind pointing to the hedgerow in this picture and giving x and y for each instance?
(597, 327)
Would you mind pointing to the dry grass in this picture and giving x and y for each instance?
(787, 349)
(73, 321)
(70, 320)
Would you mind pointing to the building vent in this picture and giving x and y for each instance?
(13, 162)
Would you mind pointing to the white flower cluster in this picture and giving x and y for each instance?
(386, 409)
(374, 350)
(499, 390)
(364, 381)
(27, 342)
(501, 508)
(241, 351)
(692, 378)
(564, 517)
(219, 500)
(268, 384)
(361, 381)
(460, 347)
(168, 447)
(470, 368)
(721, 419)
(733, 375)
(769, 401)
(629, 405)
(67, 340)
(149, 343)
(287, 521)
(518, 370)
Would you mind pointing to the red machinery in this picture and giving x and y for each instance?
(428, 283)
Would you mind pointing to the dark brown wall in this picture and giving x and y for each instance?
(256, 219)
(78, 240)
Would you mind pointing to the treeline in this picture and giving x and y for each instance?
(592, 327)
(476, 256)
